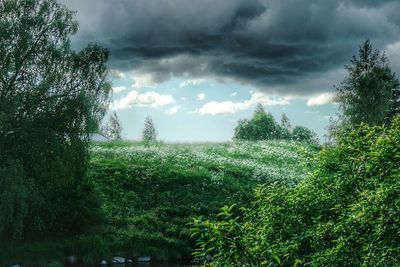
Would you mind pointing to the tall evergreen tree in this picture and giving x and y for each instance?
(113, 129)
(149, 131)
(370, 93)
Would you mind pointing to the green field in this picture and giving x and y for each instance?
(149, 193)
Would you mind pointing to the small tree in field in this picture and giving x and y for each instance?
(149, 131)
(113, 129)
(286, 127)
(285, 123)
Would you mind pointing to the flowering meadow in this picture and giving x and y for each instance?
(151, 191)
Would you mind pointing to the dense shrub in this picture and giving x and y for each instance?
(303, 134)
(346, 213)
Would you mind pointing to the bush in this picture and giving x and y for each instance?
(346, 213)
(303, 134)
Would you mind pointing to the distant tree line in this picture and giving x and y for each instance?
(263, 126)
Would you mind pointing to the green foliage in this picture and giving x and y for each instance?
(148, 194)
(16, 192)
(149, 131)
(51, 98)
(303, 134)
(346, 213)
(231, 242)
(370, 93)
(263, 126)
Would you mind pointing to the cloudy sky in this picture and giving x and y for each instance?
(198, 66)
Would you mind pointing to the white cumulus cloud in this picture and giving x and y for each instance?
(143, 80)
(148, 99)
(230, 107)
(320, 100)
(221, 108)
(173, 110)
(192, 82)
(119, 89)
(258, 97)
(201, 96)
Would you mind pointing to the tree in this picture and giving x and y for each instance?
(113, 129)
(262, 126)
(243, 130)
(332, 131)
(51, 98)
(286, 127)
(285, 123)
(149, 131)
(304, 134)
(370, 93)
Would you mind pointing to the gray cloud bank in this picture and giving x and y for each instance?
(279, 46)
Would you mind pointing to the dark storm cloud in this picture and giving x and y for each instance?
(275, 45)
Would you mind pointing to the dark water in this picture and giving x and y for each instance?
(150, 264)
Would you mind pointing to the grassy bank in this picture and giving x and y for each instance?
(149, 193)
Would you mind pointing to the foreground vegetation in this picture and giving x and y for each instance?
(51, 98)
(149, 193)
(345, 213)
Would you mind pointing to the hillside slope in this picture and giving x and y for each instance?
(149, 193)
